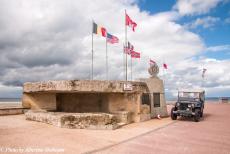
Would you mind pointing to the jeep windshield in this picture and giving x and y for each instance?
(188, 96)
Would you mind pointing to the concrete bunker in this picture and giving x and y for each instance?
(117, 102)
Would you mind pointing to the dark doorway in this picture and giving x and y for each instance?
(146, 99)
(156, 99)
(82, 102)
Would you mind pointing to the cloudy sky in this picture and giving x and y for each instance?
(51, 40)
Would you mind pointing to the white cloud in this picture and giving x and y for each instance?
(206, 22)
(195, 7)
(219, 48)
(187, 75)
(51, 40)
(10, 91)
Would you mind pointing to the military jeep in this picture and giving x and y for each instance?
(190, 103)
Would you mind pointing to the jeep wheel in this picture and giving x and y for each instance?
(201, 114)
(173, 116)
(197, 115)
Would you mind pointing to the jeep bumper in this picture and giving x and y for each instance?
(184, 113)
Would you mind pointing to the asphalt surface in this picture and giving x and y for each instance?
(209, 136)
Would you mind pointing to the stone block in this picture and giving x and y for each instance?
(74, 120)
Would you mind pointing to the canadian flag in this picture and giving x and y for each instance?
(129, 22)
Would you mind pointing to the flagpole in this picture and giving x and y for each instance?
(131, 66)
(92, 54)
(106, 44)
(124, 60)
(163, 71)
(126, 68)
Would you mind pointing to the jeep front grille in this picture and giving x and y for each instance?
(183, 106)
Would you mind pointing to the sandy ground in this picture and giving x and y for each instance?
(10, 104)
(210, 135)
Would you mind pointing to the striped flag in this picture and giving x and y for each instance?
(135, 54)
(129, 48)
(151, 62)
(112, 39)
(99, 30)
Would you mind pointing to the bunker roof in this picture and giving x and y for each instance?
(93, 86)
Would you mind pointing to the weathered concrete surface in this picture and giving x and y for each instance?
(123, 116)
(74, 120)
(81, 86)
(12, 110)
(35, 101)
(80, 96)
(156, 85)
(154, 136)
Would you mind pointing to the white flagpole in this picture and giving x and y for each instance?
(106, 58)
(126, 68)
(131, 66)
(124, 60)
(92, 54)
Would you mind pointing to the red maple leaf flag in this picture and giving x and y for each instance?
(165, 66)
(129, 22)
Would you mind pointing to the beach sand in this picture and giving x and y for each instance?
(10, 104)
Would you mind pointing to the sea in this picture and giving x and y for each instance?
(9, 100)
(18, 100)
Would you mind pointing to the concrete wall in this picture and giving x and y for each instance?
(155, 85)
(82, 102)
(126, 102)
(36, 101)
(100, 102)
(86, 102)
(95, 96)
(11, 111)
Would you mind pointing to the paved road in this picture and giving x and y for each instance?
(209, 136)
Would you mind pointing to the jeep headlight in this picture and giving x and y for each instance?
(189, 105)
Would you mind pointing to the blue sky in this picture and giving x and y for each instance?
(217, 34)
